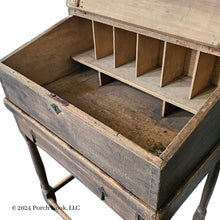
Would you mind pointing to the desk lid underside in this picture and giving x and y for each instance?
(197, 21)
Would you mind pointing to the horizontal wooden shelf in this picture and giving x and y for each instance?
(175, 93)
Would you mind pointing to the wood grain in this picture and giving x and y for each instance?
(197, 21)
(148, 54)
(173, 63)
(47, 57)
(103, 39)
(124, 47)
(203, 75)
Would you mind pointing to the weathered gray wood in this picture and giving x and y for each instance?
(93, 177)
(119, 199)
(94, 140)
(190, 146)
(187, 187)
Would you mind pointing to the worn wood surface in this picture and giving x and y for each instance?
(119, 199)
(188, 185)
(128, 111)
(148, 54)
(176, 93)
(103, 39)
(97, 142)
(197, 21)
(124, 46)
(47, 57)
(192, 143)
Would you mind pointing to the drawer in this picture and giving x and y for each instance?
(95, 109)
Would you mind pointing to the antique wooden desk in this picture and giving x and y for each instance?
(125, 96)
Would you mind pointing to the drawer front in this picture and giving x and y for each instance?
(110, 151)
(125, 204)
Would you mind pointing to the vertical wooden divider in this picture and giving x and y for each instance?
(124, 46)
(104, 79)
(148, 54)
(202, 76)
(103, 39)
(173, 63)
(167, 108)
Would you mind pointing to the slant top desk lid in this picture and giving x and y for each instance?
(197, 21)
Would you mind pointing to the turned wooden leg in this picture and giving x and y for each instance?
(207, 193)
(40, 170)
(47, 190)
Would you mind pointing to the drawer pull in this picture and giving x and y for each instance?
(103, 193)
(56, 109)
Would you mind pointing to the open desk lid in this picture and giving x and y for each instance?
(197, 20)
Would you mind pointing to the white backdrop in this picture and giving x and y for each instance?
(20, 21)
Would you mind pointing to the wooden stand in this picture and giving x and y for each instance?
(94, 99)
(127, 205)
(47, 191)
(50, 198)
